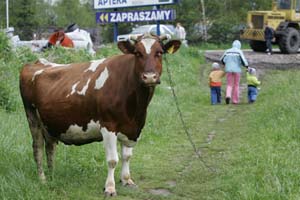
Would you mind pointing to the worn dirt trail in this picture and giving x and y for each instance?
(263, 60)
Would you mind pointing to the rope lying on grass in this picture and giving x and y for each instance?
(185, 128)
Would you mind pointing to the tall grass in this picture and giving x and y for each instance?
(250, 150)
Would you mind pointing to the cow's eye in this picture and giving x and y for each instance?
(158, 54)
(138, 54)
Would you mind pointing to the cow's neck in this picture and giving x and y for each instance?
(142, 96)
(138, 99)
(138, 111)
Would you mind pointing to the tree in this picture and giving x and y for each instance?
(72, 11)
(220, 19)
(45, 17)
(2, 14)
(201, 19)
(23, 19)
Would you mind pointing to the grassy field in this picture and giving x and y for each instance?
(247, 151)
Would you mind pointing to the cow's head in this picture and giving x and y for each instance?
(148, 50)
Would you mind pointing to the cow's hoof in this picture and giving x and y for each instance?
(42, 178)
(110, 192)
(129, 183)
(43, 181)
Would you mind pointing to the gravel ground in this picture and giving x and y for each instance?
(262, 60)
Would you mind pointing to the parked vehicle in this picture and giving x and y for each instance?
(151, 28)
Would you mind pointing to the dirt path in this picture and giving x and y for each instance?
(263, 60)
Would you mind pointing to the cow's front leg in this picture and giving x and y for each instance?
(110, 145)
(125, 173)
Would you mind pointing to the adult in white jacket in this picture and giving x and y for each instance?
(233, 59)
(180, 32)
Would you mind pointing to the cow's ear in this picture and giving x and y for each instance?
(126, 47)
(172, 46)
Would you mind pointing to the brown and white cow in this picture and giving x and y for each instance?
(102, 100)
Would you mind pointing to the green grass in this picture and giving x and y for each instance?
(253, 153)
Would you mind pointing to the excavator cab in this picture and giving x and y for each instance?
(284, 4)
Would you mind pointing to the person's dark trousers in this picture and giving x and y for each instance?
(252, 94)
(269, 45)
(215, 95)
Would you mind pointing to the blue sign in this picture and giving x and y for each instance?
(135, 16)
(107, 4)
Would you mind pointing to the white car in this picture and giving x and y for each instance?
(151, 28)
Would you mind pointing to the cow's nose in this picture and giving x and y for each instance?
(150, 78)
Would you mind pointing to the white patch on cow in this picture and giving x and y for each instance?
(92, 127)
(101, 79)
(73, 90)
(74, 87)
(110, 144)
(124, 140)
(76, 133)
(94, 65)
(84, 89)
(38, 72)
(46, 62)
(148, 43)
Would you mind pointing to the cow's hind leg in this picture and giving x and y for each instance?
(125, 173)
(38, 149)
(110, 145)
(38, 141)
(50, 151)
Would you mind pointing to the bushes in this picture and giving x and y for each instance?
(7, 99)
(62, 55)
(223, 32)
(6, 54)
(5, 47)
(10, 63)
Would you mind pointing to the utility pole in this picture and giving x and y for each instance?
(7, 15)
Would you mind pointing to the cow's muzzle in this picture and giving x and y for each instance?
(150, 78)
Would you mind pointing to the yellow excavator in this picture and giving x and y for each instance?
(284, 18)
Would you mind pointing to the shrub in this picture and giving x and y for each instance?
(224, 32)
(24, 55)
(5, 47)
(10, 63)
(7, 98)
(63, 55)
(7, 102)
